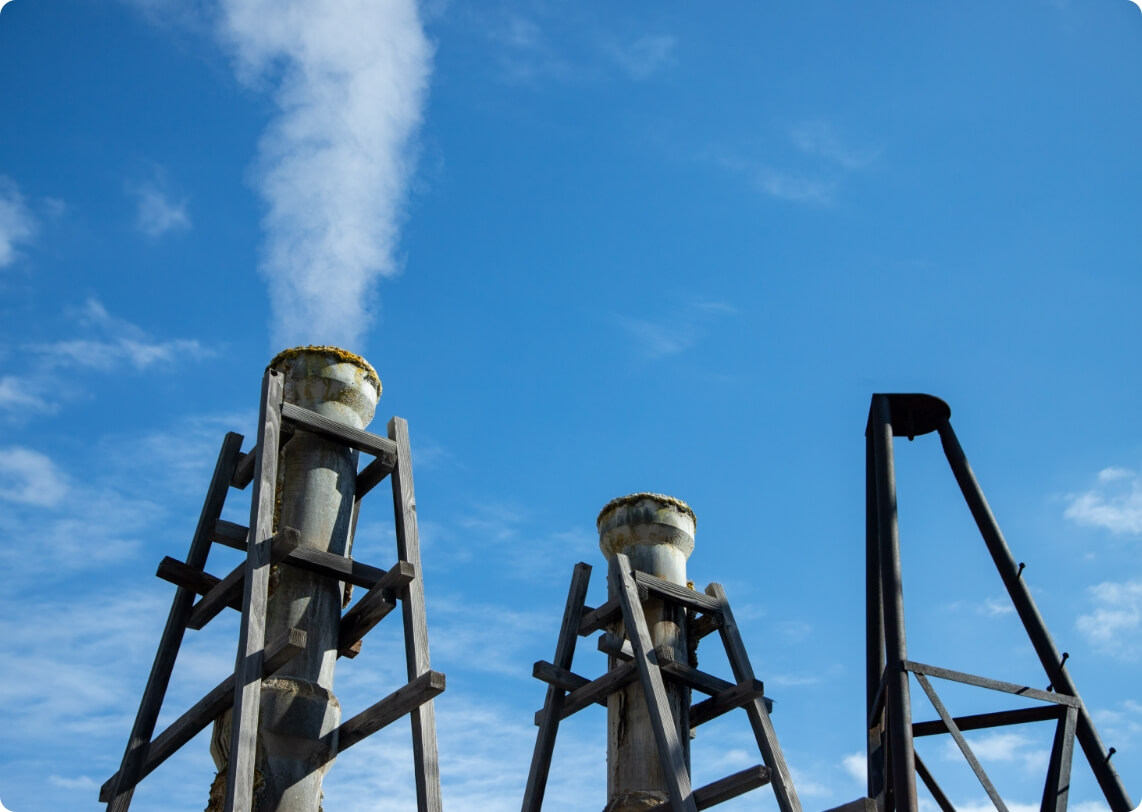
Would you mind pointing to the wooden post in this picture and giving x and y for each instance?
(656, 532)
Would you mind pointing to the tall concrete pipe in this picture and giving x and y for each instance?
(316, 484)
(657, 533)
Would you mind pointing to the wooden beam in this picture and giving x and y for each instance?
(372, 475)
(561, 678)
(401, 702)
(596, 691)
(426, 765)
(726, 788)
(733, 697)
(180, 574)
(981, 721)
(373, 606)
(130, 769)
(782, 781)
(312, 559)
(206, 710)
(229, 589)
(322, 426)
(993, 684)
(666, 737)
(595, 619)
(685, 596)
(252, 632)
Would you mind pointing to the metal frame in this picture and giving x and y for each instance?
(892, 761)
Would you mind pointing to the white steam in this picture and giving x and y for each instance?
(349, 78)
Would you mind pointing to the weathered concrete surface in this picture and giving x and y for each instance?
(657, 533)
(316, 484)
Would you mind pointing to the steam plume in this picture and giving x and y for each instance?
(349, 79)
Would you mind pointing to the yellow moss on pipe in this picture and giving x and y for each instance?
(335, 352)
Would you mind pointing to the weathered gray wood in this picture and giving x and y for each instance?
(558, 677)
(734, 697)
(136, 753)
(244, 472)
(296, 416)
(209, 708)
(397, 704)
(252, 633)
(1040, 713)
(312, 559)
(553, 704)
(615, 646)
(705, 625)
(423, 717)
(670, 751)
(176, 572)
(993, 684)
(954, 729)
(657, 587)
(373, 606)
(596, 619)
(229, 589)
(373, 475)
(596, 691)
(726, 788)
(763, 731)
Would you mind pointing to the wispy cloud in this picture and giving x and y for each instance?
(17, 225)
(156, 212)
(676, 332)
(1001, 747)
(644, 56)
(856, 765)
(1114, 502)
(820, 139)
(106, 344)
(30, 478)
(783, 184)
(1114, 626)
(349, 84)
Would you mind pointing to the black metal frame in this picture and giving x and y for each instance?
(892, 761)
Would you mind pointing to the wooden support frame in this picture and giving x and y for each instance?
(568, 692)
(245, 589)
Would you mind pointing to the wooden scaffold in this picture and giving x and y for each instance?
(246, 589)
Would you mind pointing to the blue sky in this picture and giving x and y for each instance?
(591, 249)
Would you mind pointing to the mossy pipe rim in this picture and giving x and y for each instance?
(634, 498)
(336, 353)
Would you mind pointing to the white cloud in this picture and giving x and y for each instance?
(350, 85)
(122, 345)
(1001, 747)
(23, 394)
(17, 226)
(30, 478)
(656, 341)
(156, 213)
(644, 56)
(81, 782)
(1114, 627)
(1114, 503)
(794, 187)
(820, 139)
(856, 765)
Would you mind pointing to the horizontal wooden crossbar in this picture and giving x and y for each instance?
(373, 606)
(180, 573)
(225, 591)
(685, 596)
(595, 690)
(321, 562)
(399, 703)
(219, 700)
(725, 788)
(380, 447)
(595, 619)
(733, 697)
